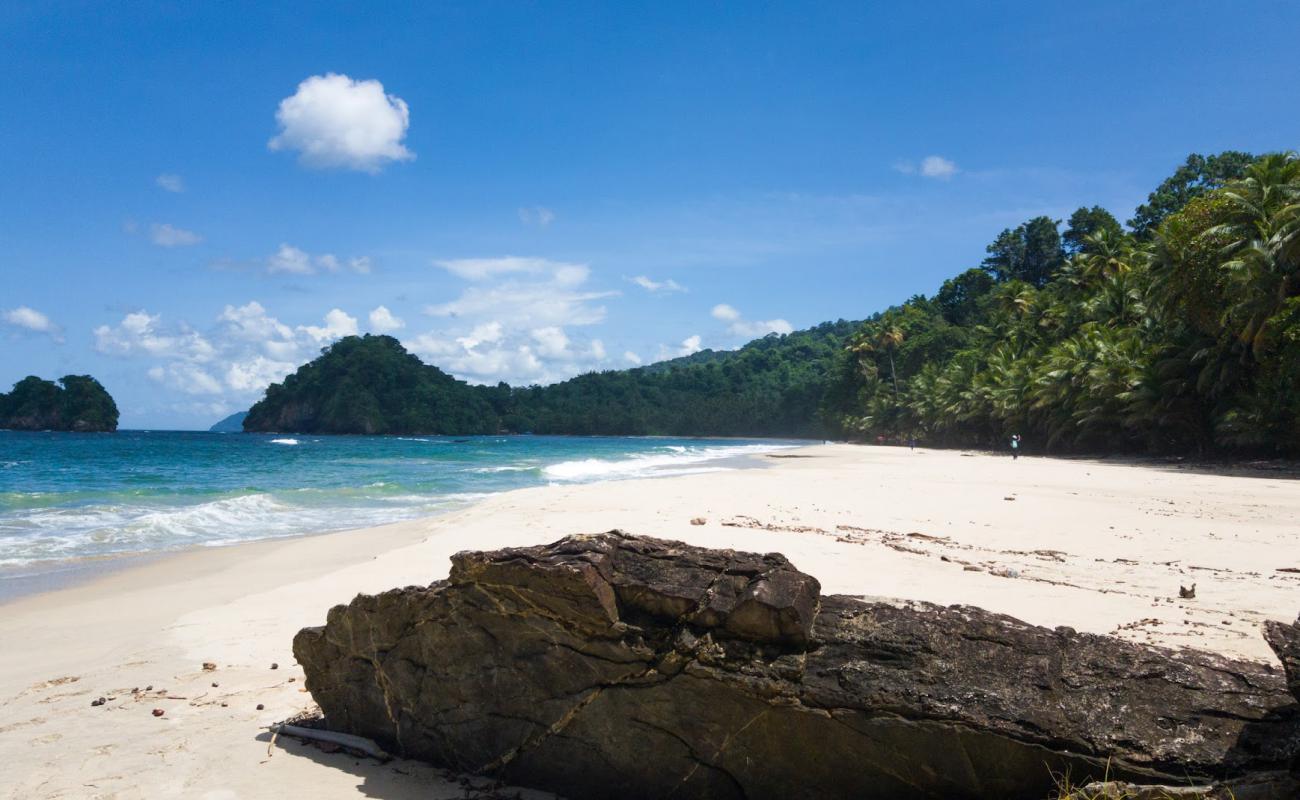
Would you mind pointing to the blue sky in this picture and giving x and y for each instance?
(197, 197)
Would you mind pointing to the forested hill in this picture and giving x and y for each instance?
(75, 403)
(370, 384)
(772, 386)
(1178, 332)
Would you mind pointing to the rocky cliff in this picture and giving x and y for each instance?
(613, 666)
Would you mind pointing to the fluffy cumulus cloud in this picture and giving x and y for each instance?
(383, 321)
(725, 313)
(229, 363)
(337, 325)
(515, 321)
(539, 216)
(292, 260)
(658, 287)
(737, 325)
(632, 358)
(29, 320)
(333, 121)
(689, 346)
(936, 167)
(165, 235)
(170, 182)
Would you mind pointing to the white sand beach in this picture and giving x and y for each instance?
(1095, 545)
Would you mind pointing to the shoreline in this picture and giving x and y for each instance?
(1095, 545)
(44, 576)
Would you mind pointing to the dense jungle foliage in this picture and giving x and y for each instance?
(75, 403)
(1178, 332)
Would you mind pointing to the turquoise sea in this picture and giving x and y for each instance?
(67, 497)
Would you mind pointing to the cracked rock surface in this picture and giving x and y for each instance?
(616, 666)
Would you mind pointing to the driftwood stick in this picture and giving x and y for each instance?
(359, 743)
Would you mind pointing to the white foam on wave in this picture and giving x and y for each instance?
(285, 441)
(675, 461)
(504, 468)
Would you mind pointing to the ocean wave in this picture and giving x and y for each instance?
(672, 461)
(503, 468)
(285, 441)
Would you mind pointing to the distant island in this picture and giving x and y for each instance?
(231, 424)
(1178, 332)
(74, 403)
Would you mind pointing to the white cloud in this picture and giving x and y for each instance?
(749, 328)
(725, 313)
(256, 373)
(335, 121)
(188, 378)
(337, 325)
(487, 333)
(690, 345)
(541, 216)
(170, 182)
(649, 285)
(930, 167)
(142, 333)
(296, 261)
(552, 342)
(761, 327)
(937, 167)
(251, 326)
(632, 358)
(383, 321)
(552, 297)
(165, 235)
(29, 319)
(480, 269)
(515, 321)
(289, 259)
(246, 349)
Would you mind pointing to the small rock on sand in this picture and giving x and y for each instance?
(699, 521)
(158, 712)
(208, 666)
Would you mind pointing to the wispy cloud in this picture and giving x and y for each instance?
(540, 216)
(664, 286)
(739, 326)
(171, 182)
(515, 321)
(936, 167)
(296, 261)
(165, 235)
(234, 360)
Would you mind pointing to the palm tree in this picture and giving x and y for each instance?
(888, 339)
(1263, 253)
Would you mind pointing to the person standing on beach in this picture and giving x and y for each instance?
(1015, 446)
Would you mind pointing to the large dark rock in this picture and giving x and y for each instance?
(1285, 641)
(614, 666)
